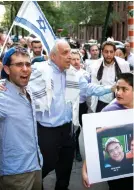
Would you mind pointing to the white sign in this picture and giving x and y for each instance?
(107, 137)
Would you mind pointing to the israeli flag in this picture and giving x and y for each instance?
(31, 18)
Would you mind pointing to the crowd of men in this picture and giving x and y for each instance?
(42, 99)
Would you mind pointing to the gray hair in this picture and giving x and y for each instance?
(54, 50)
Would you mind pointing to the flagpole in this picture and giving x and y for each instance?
(2, 49)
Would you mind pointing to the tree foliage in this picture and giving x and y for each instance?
(88, 12)
(68, 15)
(84, 12)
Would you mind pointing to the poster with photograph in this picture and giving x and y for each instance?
(109, 144)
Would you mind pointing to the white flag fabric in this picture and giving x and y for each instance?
(31, 18)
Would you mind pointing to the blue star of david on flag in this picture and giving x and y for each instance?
(41, 23)
(37, 25)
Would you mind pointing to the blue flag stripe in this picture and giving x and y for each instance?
(34, 28)
(48, 25)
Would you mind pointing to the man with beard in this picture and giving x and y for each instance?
(61, 88)
(105, 72)
(36, 47)
(37, 50)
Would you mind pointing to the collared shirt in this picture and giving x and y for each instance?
(83, 98)
(124, 67)
(32, 56)
(60, 111)
(89, 89)
(108, 78)
(19, 150)
(130, 59)
(85, 74)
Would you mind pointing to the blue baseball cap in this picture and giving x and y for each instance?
(7, 56)
(5, 59)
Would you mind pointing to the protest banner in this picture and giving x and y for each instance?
(107, 141)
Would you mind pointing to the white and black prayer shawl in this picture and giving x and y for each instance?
(73, 93)
(41, 84)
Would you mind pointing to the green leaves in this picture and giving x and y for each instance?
(68, 14)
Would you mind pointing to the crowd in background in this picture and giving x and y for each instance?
(98, 67)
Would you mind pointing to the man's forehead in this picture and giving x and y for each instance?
(63, 44)
(122, 82)
(18, 56)
(36, 44)
(75, 54)
(108, 47)
(127, 44)
(113, 144)
(122, 86)
(94, 47)
(76, 57)
(64, 48)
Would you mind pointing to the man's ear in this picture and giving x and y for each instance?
(52, 56)
(6, 69)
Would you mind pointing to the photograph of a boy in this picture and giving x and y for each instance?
(115, 153)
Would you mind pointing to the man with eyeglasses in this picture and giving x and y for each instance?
(20, 157)
(58, 108)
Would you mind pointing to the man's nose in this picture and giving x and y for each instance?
(109, 53)
(119, 91)
(115, 152)
(24, 67)
(69, 56)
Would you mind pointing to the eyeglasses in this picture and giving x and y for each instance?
(21, 64)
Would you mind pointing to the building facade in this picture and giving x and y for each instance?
(118, 30)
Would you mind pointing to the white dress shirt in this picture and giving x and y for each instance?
(108, 78)
(130, 59)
